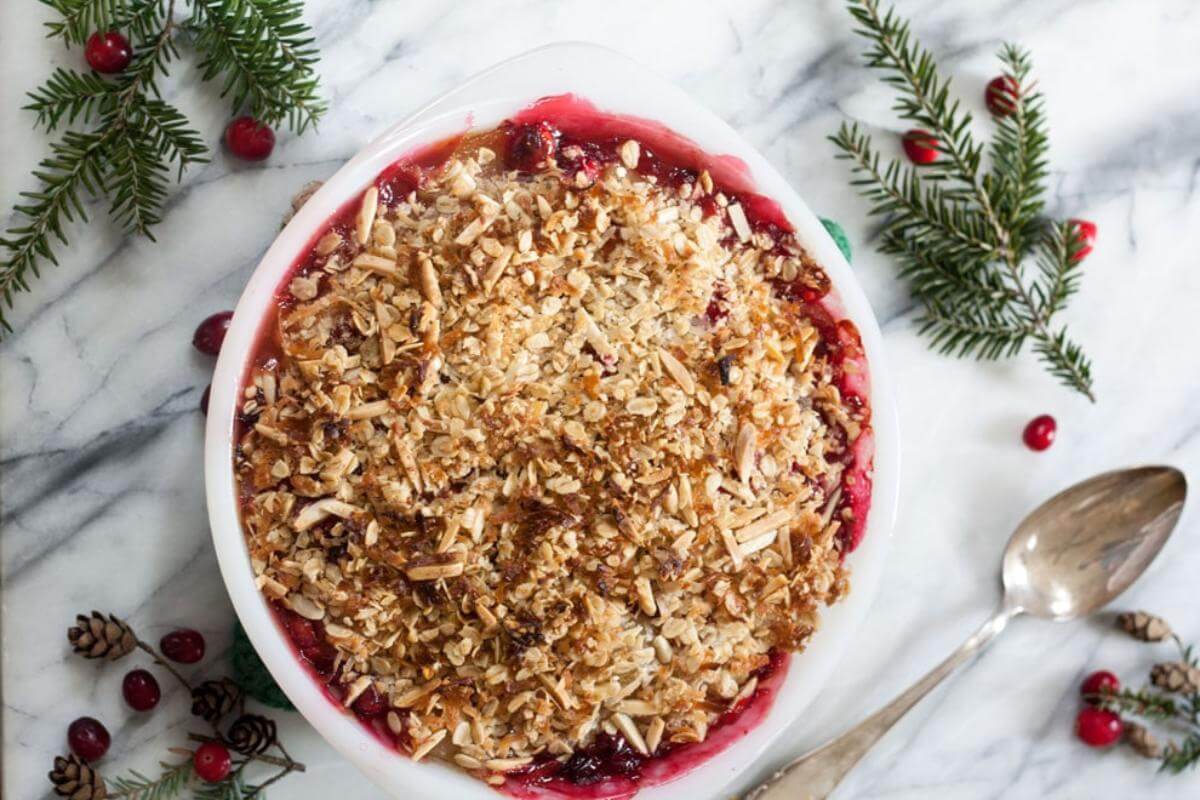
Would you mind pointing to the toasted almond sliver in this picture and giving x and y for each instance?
(754, 545)
(371, 263)
(677, 371)
(737, 217)
(426, 746)
(411, 697)
(654, 733)
(645, 594)
(637, 708)
(429, 283)
(735, 551)
(631, 153)
(370, 410)
(496, 270)
(366, 215)
(315, 512)
(632, 735)
(306, 607)
(743, 452)
(432, 572)
(507, 764)
(762, 525)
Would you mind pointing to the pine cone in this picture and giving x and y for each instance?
(1142, 741)
(251, 734)
(74, 779)
(212, 700)
(100, 637)
(1143, 626)
(1176, 676)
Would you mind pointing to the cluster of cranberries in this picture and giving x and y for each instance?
(89, 739)
(1098, 727)
(109, 53)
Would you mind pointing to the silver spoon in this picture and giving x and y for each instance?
(1072, 555)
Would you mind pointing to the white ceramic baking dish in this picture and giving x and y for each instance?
(616, 84)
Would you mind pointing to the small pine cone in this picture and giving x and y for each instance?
(251, 734)
(1142, 741)
(74, 779)
(212, 700)
(1176, 676)
(1143, 626)
(98, 636)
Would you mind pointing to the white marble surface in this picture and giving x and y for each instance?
(101, 487)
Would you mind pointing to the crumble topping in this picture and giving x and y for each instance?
(548, 454)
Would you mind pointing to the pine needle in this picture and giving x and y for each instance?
(962, 235)
(129, 139)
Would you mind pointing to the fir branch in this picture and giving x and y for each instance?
(73, 95)
(265, 54)
(962, 235)
(262, 47)
(1182, 755)
(1144, 703)
(136, 786)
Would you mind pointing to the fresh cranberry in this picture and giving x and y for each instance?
(204, 399)
(920, 146)
(1039, 433)
(212, 762)
(88, 738)
(370, 703)
(1001, 96)
(1098, 683)
(108, 52)
(249, 139)
(141, 691)
(1096, 727)
(184, 645)
(322, 656)
(1085, 234)
(211, 332)
(532, 144)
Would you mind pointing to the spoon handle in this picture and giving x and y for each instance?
(814, 775)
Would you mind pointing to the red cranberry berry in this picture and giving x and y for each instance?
(370, 703)
(184, 645)
(212, 762)
(1085, 234)
(88, 739)
(211, 332)
(301, 631)
(1039, 433)
(1001, 96)
(108, 52)
(141, 691)
(1096, 727)
(249, 139)
(1098, 683)
(531, 144)
(204, 399)
(920, 146)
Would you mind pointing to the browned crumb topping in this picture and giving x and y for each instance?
(528, 486)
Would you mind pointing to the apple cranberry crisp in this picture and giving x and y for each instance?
(549, 450)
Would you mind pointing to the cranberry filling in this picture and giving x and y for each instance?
(582, 139)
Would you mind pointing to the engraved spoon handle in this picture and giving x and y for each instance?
(814, 775)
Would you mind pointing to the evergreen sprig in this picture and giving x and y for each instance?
(129, 139)
(963, 234)
(136, 786)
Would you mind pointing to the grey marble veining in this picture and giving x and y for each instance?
(100, 438)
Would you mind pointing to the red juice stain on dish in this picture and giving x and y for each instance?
(584, 139)
(611, 770)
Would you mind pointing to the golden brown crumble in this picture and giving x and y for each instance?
(529, 483)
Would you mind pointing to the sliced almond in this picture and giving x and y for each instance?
(631, 733)
(366, 215)
(743, 451)
(737, 217)
(677, 371)
(764, 524)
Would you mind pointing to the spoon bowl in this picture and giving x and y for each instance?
(1084, 546)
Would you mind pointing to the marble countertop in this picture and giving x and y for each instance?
(100, 472)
